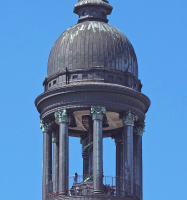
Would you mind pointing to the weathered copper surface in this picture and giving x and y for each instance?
(92, 44)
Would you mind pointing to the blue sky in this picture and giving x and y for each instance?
(157, 30)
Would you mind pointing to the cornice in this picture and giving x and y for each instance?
(95, 87)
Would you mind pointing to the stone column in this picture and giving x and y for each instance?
(90, 167)
(119, 166)
(97, 117)
(55, 137)
(128, 121)
(47, 158)
(138, 159)
(67, 163)
(63, 151)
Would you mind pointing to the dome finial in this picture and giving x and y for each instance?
(93, 10)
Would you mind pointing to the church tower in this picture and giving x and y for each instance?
(92, 92)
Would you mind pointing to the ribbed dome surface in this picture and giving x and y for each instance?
(92, 44)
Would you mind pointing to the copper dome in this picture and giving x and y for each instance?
(92, 44)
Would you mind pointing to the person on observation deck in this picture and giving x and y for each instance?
(87, 189)
(76, 177)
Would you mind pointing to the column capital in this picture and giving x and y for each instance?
(97, 112)
(54, 136)
(62, 116)
(44, 126)
(141, 128)
(129, 118)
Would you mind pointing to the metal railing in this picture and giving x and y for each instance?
(77, 186)
(51, 195)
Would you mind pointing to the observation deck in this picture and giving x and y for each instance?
(80, 189)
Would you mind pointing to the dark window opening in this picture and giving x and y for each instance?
(84, 13)
(85, 76)
(49, 84)
(94, 12)
(75, 77)
(54, 82)
(119, 80)
(110, 78)
(103, 14)
(67, 76)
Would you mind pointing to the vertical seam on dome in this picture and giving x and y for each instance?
(74, 53)
(84, 50)
(89, 50)
(77, 53)
(71, 50)
(105, 49)
(100, 44)
(54, 66)
(116, 49)
(68, 48)
(80, 51)
(103, 45)
(95, 52)
(56, 51)
(92, 53)
(88, 40)
(109, 48)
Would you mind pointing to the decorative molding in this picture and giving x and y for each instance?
(44, 126)
(97, 112)
(129, 119)
(91, 94)
(55, 137)
(62, 116)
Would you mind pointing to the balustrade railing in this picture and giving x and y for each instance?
(77, 186)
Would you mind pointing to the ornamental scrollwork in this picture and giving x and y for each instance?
(141, 128)
(44, 126)
(97, 112)
(128, 119)
(62, 116)
(55, 137)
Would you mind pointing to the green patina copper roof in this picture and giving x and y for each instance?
(102, 3)
(91, 44)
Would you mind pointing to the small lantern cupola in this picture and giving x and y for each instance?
(92, 10)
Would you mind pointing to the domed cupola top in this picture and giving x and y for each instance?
(93, 10)
(92, 50)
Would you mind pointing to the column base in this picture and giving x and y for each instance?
(97, 192)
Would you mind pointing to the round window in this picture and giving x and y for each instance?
(84, 13)
(94, 12)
